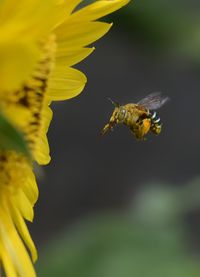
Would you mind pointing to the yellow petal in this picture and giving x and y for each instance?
(69, 57)
(22, 26)
(98, 9)
(76, 35)
(41, 151)
(47, 115)
(30, 189)
(17, 61)
(23, 204)
(24, 233)
(65, 8)
(14, 246)
(41, 147)
(14, 15)
(7, 262)
(65, 83)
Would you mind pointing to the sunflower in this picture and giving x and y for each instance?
(40, 42)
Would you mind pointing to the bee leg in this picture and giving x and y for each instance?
(105, 129)
(109, 126)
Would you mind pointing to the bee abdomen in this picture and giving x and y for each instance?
(155, 122)
(155, 119)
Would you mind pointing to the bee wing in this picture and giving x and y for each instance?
(153, 101)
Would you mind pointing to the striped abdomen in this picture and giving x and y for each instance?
(156, 124)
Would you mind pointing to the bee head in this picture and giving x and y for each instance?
(119, 112)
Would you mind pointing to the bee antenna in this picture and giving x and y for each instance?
(116, 104)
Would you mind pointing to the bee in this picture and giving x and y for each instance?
(140, 117)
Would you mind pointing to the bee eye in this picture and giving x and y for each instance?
(122, 114)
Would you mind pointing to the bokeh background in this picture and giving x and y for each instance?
(112, 206)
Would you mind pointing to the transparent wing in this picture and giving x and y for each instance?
(153, 101)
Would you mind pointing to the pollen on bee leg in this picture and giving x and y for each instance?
(146, 126)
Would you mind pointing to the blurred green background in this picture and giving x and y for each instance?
(112, 206)
(148, 240)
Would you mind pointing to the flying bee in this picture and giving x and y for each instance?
(140, 117)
